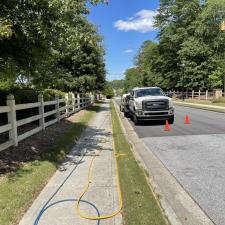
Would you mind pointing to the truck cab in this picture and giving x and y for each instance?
(150, 103)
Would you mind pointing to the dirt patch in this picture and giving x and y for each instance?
(31, 148)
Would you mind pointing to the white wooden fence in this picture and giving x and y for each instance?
(63, 108)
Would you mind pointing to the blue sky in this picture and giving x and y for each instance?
(124, 24)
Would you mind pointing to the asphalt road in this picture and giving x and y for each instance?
(194, 154)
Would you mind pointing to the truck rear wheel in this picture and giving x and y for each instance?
(126, 114)
(135, 120)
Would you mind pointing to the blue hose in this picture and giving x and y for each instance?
(47, 205)
(62, 201)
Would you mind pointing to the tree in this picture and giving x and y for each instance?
(188, 34)
(132, 79)
(174, 20)
(203, 52)
(148, 60)
(50, 43)
(108, 91)
(118, 86)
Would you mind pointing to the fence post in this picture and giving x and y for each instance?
(67, 104)
(12, 119)
(81, 100)
(41, 109)
(206, 95)
(199, 95)
(57, 108)
(89, 99)
(78, 101)
(86, 100)
(73, 102)
(192, 94)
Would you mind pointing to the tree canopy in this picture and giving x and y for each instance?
(50, 44)
(117, 86)
(189, 34)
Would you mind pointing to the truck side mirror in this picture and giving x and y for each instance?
(170, 95)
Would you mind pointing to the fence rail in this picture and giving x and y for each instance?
(61, 108)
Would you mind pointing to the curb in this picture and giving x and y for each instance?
(177, 204)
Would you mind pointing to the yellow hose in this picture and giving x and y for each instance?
(84, 216)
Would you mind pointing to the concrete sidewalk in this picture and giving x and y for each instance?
(102, 197)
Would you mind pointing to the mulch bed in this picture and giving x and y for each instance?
(31, 148)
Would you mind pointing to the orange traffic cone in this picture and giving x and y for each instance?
(167, 126)
(187, 120)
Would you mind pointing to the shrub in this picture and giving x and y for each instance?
(108, 91)
(21, 95)
(49, 94)
(28, 95)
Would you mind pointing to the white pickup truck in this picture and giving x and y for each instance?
(150, 103)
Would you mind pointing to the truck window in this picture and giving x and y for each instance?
(149, 92)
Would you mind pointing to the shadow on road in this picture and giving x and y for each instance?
(148, 123)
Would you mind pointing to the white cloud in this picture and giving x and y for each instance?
(142, 21)
(128, 51)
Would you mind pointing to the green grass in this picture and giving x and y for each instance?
(19, 189)
(220, 100)
(139, 203)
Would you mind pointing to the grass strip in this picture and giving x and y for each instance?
(19, 189)
(203, 107)
(204, 102)
(139, 203)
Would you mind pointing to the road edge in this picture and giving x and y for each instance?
(177, 204)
